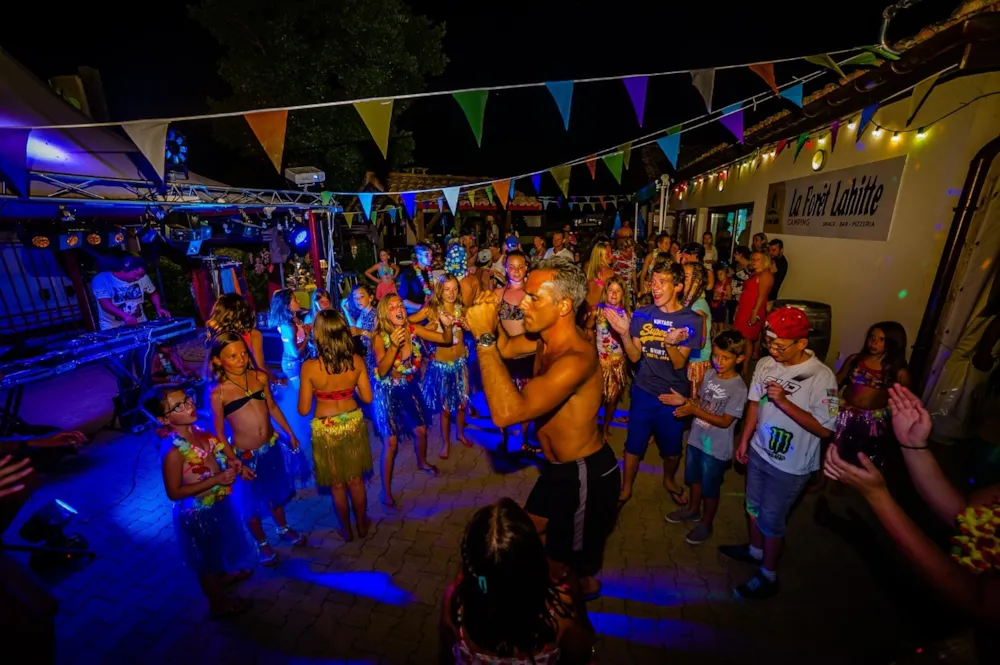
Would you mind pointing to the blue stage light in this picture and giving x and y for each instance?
(300, 236)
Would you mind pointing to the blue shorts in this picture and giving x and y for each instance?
(771, 493)
(700, 468)
(647, 416)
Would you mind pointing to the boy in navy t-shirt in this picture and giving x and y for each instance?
(660, 338)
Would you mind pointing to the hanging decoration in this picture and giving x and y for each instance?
(618, 224)
(409, 203)
(536, 182)
(325, 198)
(451, 195)
(732, 119)
(561, 175)
(781, 146)
(489, 195)
(392, 214)
(604, 206)
(921, 92)
(670, 145)
(825, 60)
(504, 190)
(765, 70)
(562, 93)
(866, 118)
(349, 218)
(472, 198)
(151, 140)
(866, 59)
(592, 166)
(834, 129)
(269, 128)
(473, 103)
(614, 162)
(366, 203)
(636, 87)
(626, 149)
(704, 82)
(793, 94)
(801, 141)
(377, 116)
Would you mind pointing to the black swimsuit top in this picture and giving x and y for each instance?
(238, 404)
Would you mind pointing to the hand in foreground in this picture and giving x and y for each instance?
(130, 320)
(483, 317)
(246, 473)
(73, 438)
(684, 410)
(446, 319)
(227, 477)
(619, 321)
(676, 335)
(743, 453)
(910, 421)
(11, 473)
(295, 444)
(163, 313)
(867, 479)
(673, 398)
(776, 393)
(398, 337)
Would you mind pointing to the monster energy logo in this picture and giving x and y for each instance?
(781, 441)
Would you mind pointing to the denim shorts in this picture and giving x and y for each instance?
(647, 416)
(700, 468)
(771, 493)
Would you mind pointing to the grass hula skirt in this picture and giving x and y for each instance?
(446, 385)
(279, 471)
(340, 448)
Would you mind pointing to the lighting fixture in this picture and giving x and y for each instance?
(851, 125)
(821, 140)
(922, 133)
(94, 239)
(40, 241)
(819, 160)
(722, 184)
(765, 156)
(877, 132)
(148, 233)
(895, 137)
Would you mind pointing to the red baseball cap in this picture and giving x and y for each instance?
(787, 323)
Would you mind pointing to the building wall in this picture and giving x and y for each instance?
(867, 281)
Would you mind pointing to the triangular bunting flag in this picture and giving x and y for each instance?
(536, 182)
(472, 198)
(562, 92)
(349, 218)
(451, 195)
(592, 165)
(866, 118)
(325, 198)
(269, 128)
(392, 215)
(489, 194)
(882, 53)
(410, 203)
(377, 116)
(862, 60)
(825, 60)
(793, 94)
(473, 103)
(765, 70)
(561, 174)
(151, 140)
(834, 129)
(636, 86)
(626, 153)
(14, 158)
(704, 82)
(798, 145)
(732, 119)
(618, 224)
(670, 145)
(781, 146)
(921, 92)
(614, 162)
(604, 206)
(366, 203)
(503, 189)
(440, 204)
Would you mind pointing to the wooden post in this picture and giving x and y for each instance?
(314, 247)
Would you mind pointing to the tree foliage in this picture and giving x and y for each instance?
(308, 51)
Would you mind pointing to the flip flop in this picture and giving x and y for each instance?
(430, 470)
(677, 495)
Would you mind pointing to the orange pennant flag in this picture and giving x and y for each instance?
(603, 204)
(766, 71)
(502, 189)
(592, 165)
(269, 128)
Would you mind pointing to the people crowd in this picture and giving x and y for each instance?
(715, 374)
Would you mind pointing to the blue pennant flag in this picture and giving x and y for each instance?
(410, 203)
(793, 94)
(866, 118)
(366, 203)
(392, 214)
(562, 92)
(536, 182)
(670, 145)
(618, 224)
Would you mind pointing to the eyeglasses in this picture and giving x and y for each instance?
(188, 401)
(771, 346)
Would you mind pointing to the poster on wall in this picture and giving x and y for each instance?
(854, 203)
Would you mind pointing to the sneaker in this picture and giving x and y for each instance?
(757, 587)
(739, 553)
(699, 534)
(682, 515)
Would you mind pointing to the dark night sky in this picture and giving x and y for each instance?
(165, 65)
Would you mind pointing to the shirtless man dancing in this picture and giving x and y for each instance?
(574, 502)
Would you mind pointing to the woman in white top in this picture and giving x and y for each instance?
(711, 253)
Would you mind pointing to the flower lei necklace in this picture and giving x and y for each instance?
(405, 369)
(428, 291)
(195, 456)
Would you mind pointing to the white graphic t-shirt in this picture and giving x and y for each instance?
(126, 296)
(811, 386)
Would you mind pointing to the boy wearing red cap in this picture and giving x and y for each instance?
(793, 404)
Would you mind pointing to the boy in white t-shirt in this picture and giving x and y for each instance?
(120, 294)
(792, 406)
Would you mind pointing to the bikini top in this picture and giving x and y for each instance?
(861, 375)
(333, 395)
(238, 404)
(509, 312)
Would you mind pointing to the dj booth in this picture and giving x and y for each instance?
(127, 351)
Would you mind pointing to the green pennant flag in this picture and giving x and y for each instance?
(882, 53)
(473, 103)
(866, 59)
(825, 60)
(489, 194)
(561, 174)
(614, 163)
(325, 197)
(626, 153)
(798, 146)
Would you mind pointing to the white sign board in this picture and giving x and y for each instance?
(855, 203)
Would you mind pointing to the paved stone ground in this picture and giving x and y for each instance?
(378, 600)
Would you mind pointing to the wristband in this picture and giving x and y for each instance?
(914, 447)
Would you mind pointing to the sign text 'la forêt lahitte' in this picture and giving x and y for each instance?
(854, 203)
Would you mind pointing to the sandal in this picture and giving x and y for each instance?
(430, 470)
(232, 579)
(288, 534)
(267, 561)
(239, 606)
(679, 497)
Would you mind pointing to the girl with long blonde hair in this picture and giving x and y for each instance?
(598, 271)
(610, 348)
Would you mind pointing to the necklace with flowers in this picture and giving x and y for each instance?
(608, 343)
(405, 368)
(194, 457)
(428, 292)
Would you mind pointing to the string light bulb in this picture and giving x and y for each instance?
(852, 124)
(821, 140)
(922, 133)
(895, 137)
(765, 156)
(877, 132)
